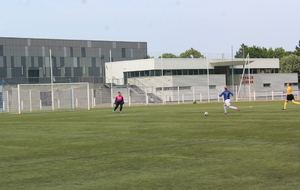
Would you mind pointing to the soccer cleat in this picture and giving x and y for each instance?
(113, 111)
(238, 109)
(283, 109)
(225, 113)
(121, 112)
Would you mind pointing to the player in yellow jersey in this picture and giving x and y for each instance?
(289, 96)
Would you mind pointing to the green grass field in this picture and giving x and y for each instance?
(153, 147)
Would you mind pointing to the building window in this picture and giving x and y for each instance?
(71, 51)
(83, 53)
(151, 73)
(40, 61)
(157, 72)
(267, 85)
(1, 50)
(212, 86)
(292, 84)
(123, 53)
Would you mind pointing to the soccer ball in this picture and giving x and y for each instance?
(206, 113)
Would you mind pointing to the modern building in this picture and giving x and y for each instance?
(27, 60)
(202, 76)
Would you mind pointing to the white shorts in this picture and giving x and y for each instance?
(227, 102)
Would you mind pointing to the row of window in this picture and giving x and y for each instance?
(265, 85)
(82, 53)
(147, 73)
(173, 88)
(167, 72)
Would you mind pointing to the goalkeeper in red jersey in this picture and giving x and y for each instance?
(119, 101)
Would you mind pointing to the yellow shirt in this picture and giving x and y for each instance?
(289, 90)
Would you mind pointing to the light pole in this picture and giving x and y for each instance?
(111, 80)
(162, 80)
(208, 96)
(51, 76)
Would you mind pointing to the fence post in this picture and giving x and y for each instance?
(178, 100)
(146, 96)
(129, 98)
(3, 97)
(30, 102)
(200, 97)
(7, 102)
(193, 94)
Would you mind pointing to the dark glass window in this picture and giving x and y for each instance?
(93, 62)
(12, 61)
(1, 50)
(68, 71)
(157, 72)
(40, 61)
(23, 61)
(83, 53)
(32, 61)
(136, 74)
(17, 72)
(62, 61)
(56, 71)
(123, 53)
(71, 51)
(151, 73)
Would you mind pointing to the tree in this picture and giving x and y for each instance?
(297, 51)
(290, 64)
(168, 55)
(191, 53)
(241, 52)
(149, 57)
(260, 52)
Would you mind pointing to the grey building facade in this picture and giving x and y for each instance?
(27, 60)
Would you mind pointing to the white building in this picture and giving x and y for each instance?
(191, 75)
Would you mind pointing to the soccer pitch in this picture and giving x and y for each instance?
(153, 147)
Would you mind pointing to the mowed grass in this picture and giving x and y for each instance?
(153, 147)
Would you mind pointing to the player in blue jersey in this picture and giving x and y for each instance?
(226, 94)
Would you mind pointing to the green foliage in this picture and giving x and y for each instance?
(168, 55)
(153, 147)
(297, 51)
(290, 64)
(191, 53)
(149, 57)
(260, 52)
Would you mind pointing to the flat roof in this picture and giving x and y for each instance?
(230, 63)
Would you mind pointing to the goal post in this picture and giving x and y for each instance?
(34, 97)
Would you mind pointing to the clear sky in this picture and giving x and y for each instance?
(168, 26)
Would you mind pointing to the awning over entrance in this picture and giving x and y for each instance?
(229, 63)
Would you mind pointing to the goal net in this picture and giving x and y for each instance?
(30, 97)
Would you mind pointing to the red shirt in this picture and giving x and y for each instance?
(119, 98)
